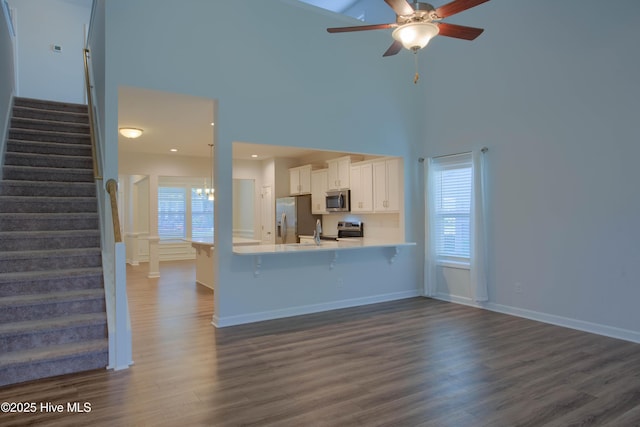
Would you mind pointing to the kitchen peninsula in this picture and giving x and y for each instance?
(204, 258)
(324, 246)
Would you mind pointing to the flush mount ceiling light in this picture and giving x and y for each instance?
(130, 132)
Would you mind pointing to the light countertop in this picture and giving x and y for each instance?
(325, 245)
(237, 241)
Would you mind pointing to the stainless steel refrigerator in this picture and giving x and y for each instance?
(294, 218)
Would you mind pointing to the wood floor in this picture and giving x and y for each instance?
(416, 362)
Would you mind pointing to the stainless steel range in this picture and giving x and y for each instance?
(350, 229)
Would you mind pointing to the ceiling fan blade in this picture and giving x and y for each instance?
(395, 47)
(400, 7)
(457, 6)
(361, 28)
(458, 31)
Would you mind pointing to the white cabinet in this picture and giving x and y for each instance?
(361, 181)
(318, 191)
(386, 186)
(338, 173)
(300, 180)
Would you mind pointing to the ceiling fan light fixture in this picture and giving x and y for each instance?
(130, 132)
(415, 35)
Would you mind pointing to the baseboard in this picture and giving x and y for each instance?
(567, 322)
(221, 322)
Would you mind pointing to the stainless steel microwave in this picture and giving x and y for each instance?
(338, 201)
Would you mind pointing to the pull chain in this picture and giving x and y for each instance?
(417, 76)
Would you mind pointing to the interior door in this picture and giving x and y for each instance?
(268, 219)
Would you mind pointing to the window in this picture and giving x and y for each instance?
(201, 216)
(183, 213)
(452, 206)
(172, 222)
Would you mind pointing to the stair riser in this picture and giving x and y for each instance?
(47, 126)
(28, 287)
(30, 340)
(48, 368)
(47, 243)
(52, 137)
(24, 188)
(41, 264)
(47, 310)
(43, 224)
(49, 105)
(51, 205)
(51, 115)
(48, 161)
(48, 148)
(33, 174)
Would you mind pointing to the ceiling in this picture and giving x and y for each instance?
(334, 5)
(181, 122)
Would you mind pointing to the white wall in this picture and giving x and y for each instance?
(281, 80)
(43, 73)
(559, 113)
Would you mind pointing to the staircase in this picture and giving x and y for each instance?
(52, 307)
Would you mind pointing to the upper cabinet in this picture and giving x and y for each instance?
(386, 185)
(338, 173)
(318, 191)
(300, 180)
(361, 181)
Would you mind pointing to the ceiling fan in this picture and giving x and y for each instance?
(417, 23)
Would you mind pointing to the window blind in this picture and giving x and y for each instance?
(201, 216)
(452, 205)
(171, 212)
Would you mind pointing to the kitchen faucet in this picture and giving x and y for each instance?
(316, 232)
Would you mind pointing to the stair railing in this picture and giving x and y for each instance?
(112, 189)
(87, 79)
(113, 256)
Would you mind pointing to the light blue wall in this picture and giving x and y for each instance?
(278, 78)
(42, 73)
(552, 89)
(7, 78)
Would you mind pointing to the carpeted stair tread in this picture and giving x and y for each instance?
(49, 221)
(47, 233)
(37, 135)
(49, 125)
(77, 295)
(69, 273)
(57, 253)
(48, 280)
(31, 173)
(52, 353)
(42, 147)
(41, 204)
(44, 104)
(40, 325)
(20, 240)
(16, 187)
(53, 115)
(48, 160)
